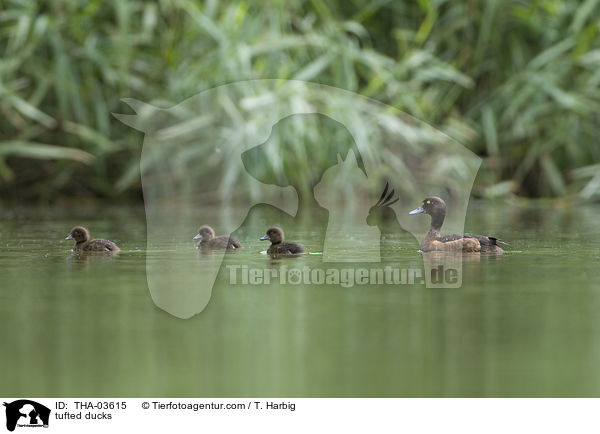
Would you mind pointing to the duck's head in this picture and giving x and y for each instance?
(205, 233)
(433, 205)
(274, 234)
(79, 234)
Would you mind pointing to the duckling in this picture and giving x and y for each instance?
(83, 243)
(436, 208)
(207, 237)
(278, 247)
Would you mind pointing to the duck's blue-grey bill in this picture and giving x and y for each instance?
(70, 237)
(419, 210)
(197, 237)
(266, 237)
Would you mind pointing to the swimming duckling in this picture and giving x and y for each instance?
(208, 240)
(278, 247)
(83, 243)
(436, 208)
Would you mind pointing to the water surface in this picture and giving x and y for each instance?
(526, 323)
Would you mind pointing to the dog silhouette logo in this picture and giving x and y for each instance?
(26, 413)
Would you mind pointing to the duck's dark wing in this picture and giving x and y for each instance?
(221, 242)
(497, 241)
(285, 249)
(100, 245)
(483, 240)
(234, 244)
(294, 248)
(452, 237)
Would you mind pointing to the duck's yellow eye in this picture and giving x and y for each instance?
(428, 202)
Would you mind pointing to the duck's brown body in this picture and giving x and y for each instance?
(278, 247)
(96, 245)
(208, 240)
(83, 244)
(285, 249)
(221, 242)
(467, 243)
(486, 244)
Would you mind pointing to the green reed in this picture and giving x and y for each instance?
(515, 81)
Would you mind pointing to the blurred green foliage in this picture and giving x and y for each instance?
(515, 81)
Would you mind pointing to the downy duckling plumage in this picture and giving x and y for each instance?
(208, 240)
(278, 247)
(83, 243)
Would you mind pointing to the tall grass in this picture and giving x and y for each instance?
(515, 81)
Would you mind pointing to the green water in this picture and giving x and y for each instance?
(526, 323)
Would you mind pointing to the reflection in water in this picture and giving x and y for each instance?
(83, 260)
(523, 324)
(84, 256)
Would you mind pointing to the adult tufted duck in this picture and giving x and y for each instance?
(436, 208)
